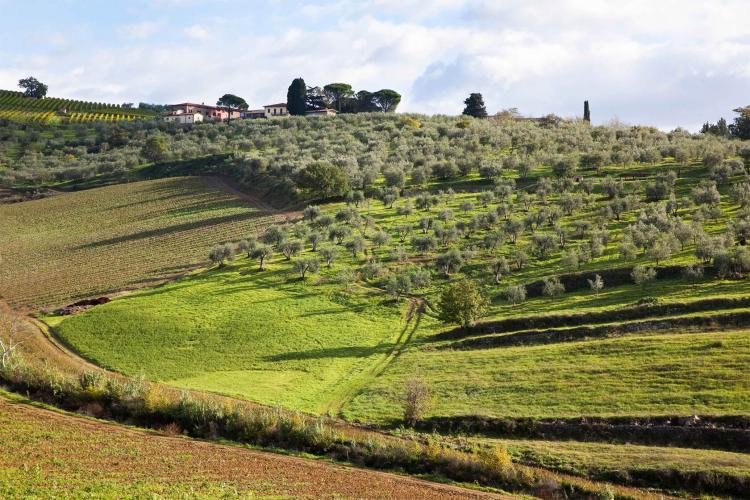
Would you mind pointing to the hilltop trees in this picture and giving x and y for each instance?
(336, 92)
(386, 100)
(296, 97)
(33, 87)
(475, 106)
(741, 126)
(232, 101)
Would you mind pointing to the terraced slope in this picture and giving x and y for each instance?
(47, 454)
(74, 245)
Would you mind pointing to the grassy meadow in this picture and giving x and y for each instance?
(75, 245)
(654, 374)
(264, 336)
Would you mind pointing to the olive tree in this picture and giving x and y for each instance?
(306, 265)
(263, 253)
(597, 284)
(328, 254)
(643, 275)
(450, 261)
(499, 268)
(462, 303)
(356, 245)
(553, 287)
(290, 248)
(515, 294)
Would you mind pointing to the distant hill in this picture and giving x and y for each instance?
(15, 106)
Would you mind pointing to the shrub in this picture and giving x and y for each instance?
(515, 294)
(90, 380)
(417, 399)
(553, 287)
(643, 275)
(597, 284)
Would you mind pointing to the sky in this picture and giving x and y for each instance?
(665, 63)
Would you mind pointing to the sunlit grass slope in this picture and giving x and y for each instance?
(263, 336)
(647, 374)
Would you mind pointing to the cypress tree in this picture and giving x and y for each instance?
(296, 97)
(475, 106)
(586, 112)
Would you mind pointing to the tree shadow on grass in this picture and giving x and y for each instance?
(333, 352)
(177, 228)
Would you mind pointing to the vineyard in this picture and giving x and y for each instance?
(92, 242)
(15, 106)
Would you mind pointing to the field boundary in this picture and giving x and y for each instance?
(706, 324)
(730, 433)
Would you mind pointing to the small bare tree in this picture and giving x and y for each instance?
(417, 400)
(10, 329)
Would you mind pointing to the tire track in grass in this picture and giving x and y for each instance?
(353, 386)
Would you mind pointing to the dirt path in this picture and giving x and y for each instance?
(63, 445)
(356, 383)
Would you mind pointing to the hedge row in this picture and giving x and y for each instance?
(535, 337)
(730, 433)
(624, 314)
(718, 483)
(613, 277)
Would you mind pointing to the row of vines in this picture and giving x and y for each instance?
(15, 106)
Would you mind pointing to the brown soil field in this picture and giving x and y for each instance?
(49, 453)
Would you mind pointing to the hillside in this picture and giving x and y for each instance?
(16, 107)
(94, 242)
(612, 263)
(577, 373)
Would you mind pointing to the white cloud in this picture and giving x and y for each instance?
(140, 31)
(197, 32)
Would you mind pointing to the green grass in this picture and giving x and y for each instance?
(690, 373)
(93, 242)
(260, 335)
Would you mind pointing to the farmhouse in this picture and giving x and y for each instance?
(209, 112)
(272, 110)
(184, 118)
(253, 113)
